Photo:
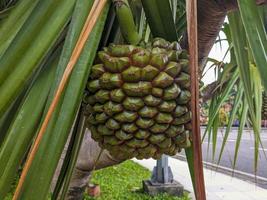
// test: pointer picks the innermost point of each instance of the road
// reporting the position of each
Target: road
(245, 161)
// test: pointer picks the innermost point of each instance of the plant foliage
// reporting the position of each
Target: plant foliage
(37, 39)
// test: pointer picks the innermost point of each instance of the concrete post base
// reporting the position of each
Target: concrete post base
(174, 188)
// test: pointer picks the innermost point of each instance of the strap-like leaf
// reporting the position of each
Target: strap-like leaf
(59, 126)
(14, 22)
(29, 47)
(242, 50)
(240, 132)
(23, 128)
(221, 100)
(256, 35)
(236, 105)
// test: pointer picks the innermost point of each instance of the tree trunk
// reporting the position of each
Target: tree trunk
(211, 15)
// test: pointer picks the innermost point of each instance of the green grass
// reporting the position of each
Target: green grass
(124, 182)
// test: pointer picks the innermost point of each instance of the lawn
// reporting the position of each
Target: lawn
(124, 182)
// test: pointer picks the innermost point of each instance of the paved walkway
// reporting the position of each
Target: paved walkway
(218, 186)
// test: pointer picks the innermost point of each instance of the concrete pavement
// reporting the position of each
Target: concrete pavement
(218, 186)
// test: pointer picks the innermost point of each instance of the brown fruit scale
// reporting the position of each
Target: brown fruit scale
(138, 100)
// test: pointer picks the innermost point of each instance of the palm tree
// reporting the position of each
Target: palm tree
(36, 43)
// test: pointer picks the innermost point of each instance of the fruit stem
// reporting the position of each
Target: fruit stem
(160, 19)
(126, 22)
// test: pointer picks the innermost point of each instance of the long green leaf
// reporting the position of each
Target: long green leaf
(221, 100)
(241, 52)
(29, 47)
(74, 156)
(242, 56)
(24, 126)
(66, 163)
(14, 22)
(257, 89)
(7, 118)
(41, 172)
(212, 107)
(190, 161)
(215, 128)
(181, 25)
(240, 132)
(236, 105)
(256, 35)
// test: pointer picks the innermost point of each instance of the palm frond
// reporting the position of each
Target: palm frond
(248, 92)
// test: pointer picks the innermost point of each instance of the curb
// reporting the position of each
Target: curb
(257, 180)
(236, 128)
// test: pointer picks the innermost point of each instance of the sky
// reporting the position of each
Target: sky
(218, 52)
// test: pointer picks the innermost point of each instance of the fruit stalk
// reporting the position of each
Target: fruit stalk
(126, 21)
(160, 19)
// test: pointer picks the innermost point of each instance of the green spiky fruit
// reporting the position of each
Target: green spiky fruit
(138, 100)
